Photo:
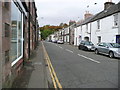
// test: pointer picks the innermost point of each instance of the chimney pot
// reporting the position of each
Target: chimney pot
(87, 15)
(108, 4)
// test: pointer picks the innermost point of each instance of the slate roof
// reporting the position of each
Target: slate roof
(110, 11)
(105, 13)
(86, 21)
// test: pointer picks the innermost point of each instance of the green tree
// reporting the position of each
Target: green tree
(47, 30)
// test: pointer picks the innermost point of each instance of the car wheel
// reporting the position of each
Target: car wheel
(79, 47)
(111, 54)
(96, 51)
(86, 49)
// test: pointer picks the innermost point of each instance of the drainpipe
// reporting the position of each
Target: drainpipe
(90, 31)
(29, 30)
(69, 35)
(63, 36)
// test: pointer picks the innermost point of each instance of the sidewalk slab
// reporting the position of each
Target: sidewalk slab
(34, 72)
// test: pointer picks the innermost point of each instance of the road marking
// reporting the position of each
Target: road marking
(69, 50)
(88, 58)
(61, 47)
(55, 80)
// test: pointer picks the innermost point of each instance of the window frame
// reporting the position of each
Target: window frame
(115, 22)
(98, 24)
(87, 27)
(7, 29)
(99, 39)
(21, 56)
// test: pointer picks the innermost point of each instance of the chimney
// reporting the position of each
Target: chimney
(108, 4)
(71, 22)
(87, 15)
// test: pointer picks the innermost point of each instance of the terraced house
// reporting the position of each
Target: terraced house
(102, 27)
(18, 37)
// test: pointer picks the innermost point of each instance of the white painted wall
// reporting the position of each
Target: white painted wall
(66, 37)
(53, 37)
(77, 34)
(107, 30)
(85, 32)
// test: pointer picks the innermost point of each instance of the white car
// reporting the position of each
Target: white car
(60, 42)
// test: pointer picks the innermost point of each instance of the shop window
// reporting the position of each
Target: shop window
(16, 34)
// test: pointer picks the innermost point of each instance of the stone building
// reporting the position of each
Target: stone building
(18, 37)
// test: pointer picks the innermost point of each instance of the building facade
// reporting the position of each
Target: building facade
(18, 37)
(102, 27)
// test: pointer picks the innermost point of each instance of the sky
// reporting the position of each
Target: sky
(54, 12)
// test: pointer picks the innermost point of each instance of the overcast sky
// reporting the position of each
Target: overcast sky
(54, 12)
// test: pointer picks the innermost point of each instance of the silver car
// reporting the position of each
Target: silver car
(111, 49)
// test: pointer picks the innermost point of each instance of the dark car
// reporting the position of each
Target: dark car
(86, 45)
(111, 49)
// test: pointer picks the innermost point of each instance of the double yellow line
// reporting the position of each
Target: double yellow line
(55, 80)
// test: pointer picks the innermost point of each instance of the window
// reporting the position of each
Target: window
(6, 5)
(101, 44)
(17, 35)
(7, 29)
(98, 24)
(86, 27)
(99, 39)
(116, 20)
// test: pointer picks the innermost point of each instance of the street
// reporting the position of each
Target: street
(82, 69)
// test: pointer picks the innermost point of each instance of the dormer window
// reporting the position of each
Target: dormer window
(116, 20)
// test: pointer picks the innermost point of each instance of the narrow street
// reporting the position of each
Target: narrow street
(60, 44)
(81, 69)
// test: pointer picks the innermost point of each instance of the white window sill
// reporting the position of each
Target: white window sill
(98, 30)
(88, 32)
(114, 27)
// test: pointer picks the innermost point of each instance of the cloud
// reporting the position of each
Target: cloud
(57, 11)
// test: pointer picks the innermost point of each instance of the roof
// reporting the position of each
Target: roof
(86, 21)
(105, 13)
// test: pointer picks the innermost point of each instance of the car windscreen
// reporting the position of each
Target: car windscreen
(115, 45)
(88, 43)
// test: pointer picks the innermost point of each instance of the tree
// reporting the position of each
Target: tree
(47, 30)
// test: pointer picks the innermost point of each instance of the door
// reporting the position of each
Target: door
(118, 39)
(100, 47)
(105, 48)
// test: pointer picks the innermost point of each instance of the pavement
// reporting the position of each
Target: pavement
(81, 69)
(33, 74)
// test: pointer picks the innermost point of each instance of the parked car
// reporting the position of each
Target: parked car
(54, 41)
(60, 42)
(49, 40)
(111, 49)
(86, 45)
